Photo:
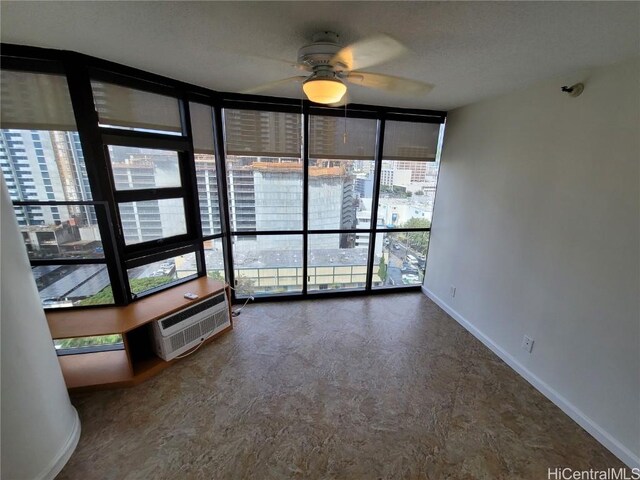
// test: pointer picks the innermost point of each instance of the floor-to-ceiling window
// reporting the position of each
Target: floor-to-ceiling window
(341, 175)
(344, 204)
(264, 169)
(126, 183)
(408, 178)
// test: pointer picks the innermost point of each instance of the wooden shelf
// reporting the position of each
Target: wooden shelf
(114, 320)
(99, 368)
(137, 362)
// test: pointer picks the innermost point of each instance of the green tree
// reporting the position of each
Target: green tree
(417, 223)
(418, 240)
(138, 285)
(89, 341)
(244, 285)
(103, 297)
(216, 275)
(382, 269)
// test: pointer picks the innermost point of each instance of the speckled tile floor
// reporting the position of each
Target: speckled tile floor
(380, 387)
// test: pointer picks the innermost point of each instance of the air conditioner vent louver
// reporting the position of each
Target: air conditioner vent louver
(220, 318)
(209, 323)
(177, 341)
(192, 333)
(191, 311)
(184, 330)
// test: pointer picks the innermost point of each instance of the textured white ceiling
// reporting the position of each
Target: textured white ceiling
(469, 50)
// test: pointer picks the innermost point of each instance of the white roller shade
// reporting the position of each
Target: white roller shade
(329, 139)
(410, 141)
(202, 128)
(135, 109)
(35, 101)
(266, 134)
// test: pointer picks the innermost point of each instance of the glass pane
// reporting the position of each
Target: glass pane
(338, 261)
(411, 141)
(262, 133)
(214, 259)
(161, 272)
(208, 198)
(265, 193)
(202, 128)
(61, 231)
(73, 285)
(131, 109)
(342, 138)
(139, 168)
(152, 220)
(107, 342)
(340, 194)
(407, 193)
(267, 264)
(206, 175)
(400, 259)
(43, 165)
(38, 101)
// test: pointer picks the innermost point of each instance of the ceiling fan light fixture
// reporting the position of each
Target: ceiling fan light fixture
(324, 90)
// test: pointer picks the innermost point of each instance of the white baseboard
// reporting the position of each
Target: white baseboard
(61, 459)
(601, 435)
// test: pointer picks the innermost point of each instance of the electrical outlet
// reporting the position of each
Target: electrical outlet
(452, 291)
(527, 343)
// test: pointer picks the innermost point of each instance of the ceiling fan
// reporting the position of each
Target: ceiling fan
(331, 65)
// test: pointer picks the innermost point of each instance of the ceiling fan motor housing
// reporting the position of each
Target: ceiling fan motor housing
(321, 51)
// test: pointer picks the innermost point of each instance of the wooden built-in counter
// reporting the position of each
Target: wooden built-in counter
(137, 362)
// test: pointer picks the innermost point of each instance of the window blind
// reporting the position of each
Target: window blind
(328, 138)
(35, 101)
(261, 133)
(202, 128)
(410, 141)
(125, 107)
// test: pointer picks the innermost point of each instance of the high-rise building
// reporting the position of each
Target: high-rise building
(150, 219)
(242, 196)
(266, 195)
(45, 166)
(207, 179)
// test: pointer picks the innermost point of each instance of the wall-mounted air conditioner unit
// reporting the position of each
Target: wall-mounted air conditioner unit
(177, 333)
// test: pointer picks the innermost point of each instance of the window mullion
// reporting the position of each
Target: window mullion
(305, 197)
(98, 173)
(190, 184)
(375, 199)
(223, 196)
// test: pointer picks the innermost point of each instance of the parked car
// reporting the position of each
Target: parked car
(410, 279)
(409, 269)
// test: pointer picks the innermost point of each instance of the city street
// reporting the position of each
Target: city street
(396, 257)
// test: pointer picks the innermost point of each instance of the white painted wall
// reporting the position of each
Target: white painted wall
(40, 427)
(536, 223)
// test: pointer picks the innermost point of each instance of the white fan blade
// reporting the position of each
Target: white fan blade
(389, 83)
(368, 52)
(277, 83)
